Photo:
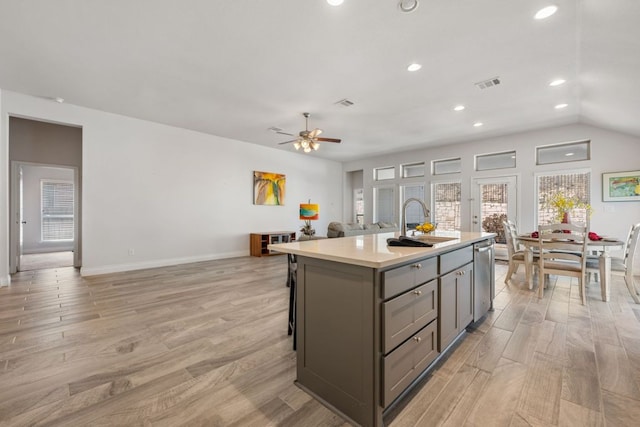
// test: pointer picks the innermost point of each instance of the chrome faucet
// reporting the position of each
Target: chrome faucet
(404, 212)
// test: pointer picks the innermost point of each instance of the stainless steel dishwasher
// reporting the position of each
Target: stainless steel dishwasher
(483, 278)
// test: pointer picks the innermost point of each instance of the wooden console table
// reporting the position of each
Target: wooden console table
(260, 241)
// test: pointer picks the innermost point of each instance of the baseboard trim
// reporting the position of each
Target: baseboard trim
(119, 268)
(5, 280)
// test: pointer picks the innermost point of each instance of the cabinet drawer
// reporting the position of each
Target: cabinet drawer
(454, 259)
(408, 313)
(403, 278)
(408, 361)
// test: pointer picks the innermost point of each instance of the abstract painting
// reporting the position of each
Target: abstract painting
(621, 186)
(268, 188)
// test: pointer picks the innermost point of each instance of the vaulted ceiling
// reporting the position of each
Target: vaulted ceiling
(238, 68)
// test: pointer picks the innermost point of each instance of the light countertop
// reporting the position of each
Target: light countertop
(371, 250)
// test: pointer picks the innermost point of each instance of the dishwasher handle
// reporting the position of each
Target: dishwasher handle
(484, 248)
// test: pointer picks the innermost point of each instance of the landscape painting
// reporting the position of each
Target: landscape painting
(268, 188)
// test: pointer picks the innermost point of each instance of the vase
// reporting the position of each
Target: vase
(566, 219)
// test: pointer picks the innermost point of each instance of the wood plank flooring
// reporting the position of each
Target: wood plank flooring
(206, 344)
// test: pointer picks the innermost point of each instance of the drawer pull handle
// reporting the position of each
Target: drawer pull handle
(417, 339)
(418, 266)
(417, 292)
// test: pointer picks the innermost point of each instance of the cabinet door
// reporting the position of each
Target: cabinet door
(448, 310)
(464, 284)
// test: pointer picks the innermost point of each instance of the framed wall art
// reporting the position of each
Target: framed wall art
(268, 188)
(621, 186)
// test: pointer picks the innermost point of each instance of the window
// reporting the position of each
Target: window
(496, 161)
(441, 167)
(384, 202)
(414, 214)
(561, 153)
(446, 198)
(411, 170)
(570, 184)
(57, 210)
(381, 174)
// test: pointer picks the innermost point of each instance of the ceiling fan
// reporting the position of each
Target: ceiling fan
(308, 140)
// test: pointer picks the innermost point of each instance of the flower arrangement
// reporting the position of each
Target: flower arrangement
(564, 205)
(427, 227)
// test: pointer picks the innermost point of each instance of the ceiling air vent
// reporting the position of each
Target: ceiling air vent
(344, 102)
(485, 84)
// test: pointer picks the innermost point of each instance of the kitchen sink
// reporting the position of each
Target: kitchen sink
(433, 239)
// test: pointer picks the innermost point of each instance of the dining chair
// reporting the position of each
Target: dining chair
(621, 266)
(563, 252)
(515, 253)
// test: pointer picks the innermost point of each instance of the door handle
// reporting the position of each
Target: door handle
(23, 222)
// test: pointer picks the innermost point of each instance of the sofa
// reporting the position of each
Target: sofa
(343, 229)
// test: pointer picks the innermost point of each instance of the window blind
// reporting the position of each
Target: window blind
(57, 211)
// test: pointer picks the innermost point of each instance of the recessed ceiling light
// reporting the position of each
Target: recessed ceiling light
(478, 124)
(546, 12)
(458, 108)
(569, 154)
(335, 2)
(414, 67)
(58, 100)
(557, 82)
(561, 106)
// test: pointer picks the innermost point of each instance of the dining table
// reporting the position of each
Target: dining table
(601, 247)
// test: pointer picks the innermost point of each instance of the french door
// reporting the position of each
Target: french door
(494, 200)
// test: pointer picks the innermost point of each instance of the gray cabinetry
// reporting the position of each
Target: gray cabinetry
(407, 313)
(408, 361)
(456, 304)
(367, 334)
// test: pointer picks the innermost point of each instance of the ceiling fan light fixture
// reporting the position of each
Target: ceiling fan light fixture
(296, 145)
(307, 149)
(315, 146)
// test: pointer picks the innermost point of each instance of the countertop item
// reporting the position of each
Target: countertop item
(372, 250)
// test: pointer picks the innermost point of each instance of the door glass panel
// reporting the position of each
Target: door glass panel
(494, 208)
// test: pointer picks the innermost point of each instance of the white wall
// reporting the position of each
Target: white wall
(610, 152)
(32, 208)
(170, 194)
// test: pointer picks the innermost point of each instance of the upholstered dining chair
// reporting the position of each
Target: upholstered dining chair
(515, 253)
(563, 252)
(622, 266)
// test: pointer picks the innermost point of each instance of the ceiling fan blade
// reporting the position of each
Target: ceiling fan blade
(328, 139)
(288, 142)
(314, 133)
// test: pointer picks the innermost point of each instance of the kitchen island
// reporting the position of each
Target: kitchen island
(372, 318)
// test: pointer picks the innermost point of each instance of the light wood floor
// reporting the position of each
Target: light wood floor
(46, 260)
(206, 344)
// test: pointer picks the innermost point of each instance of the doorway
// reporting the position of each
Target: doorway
(45, 186)
(46, 216)
(495, 199)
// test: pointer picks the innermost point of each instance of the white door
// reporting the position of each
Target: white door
(494, 200)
